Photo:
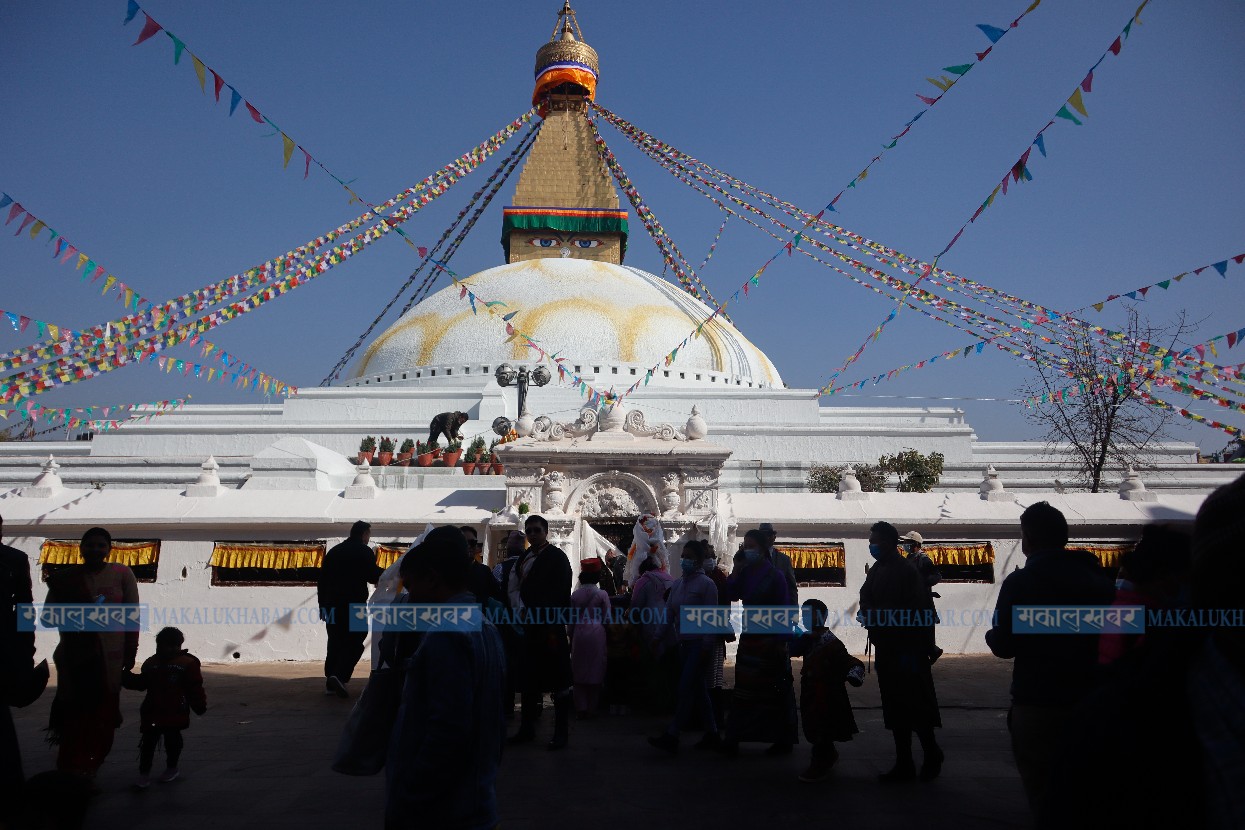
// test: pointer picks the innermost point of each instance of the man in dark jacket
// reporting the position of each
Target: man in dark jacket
(17, 650)
(1052, 672)
(344, 576)
(896, 607)
(480, 579)
(544, 578)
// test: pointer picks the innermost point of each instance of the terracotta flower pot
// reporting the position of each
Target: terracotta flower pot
(451, 458)
(424, 460)
(404, 462)
(406, 456)
(384, 459)
(366, 457)
(498, 467)
(469, 468)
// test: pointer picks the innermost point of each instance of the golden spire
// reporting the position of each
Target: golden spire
(566, 64)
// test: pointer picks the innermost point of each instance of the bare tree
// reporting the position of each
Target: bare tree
(1085, 392)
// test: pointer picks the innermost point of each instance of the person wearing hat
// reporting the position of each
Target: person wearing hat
(441, 769)
(912, 544)
(590, 607)
(781, 560)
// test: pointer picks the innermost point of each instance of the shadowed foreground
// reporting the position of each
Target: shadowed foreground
(260, 758)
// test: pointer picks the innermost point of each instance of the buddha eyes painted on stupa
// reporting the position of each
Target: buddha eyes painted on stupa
(554, 241)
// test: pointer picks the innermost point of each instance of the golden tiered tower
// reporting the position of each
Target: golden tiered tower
(565, 203)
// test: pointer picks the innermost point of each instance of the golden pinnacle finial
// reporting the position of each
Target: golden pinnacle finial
(566, 64)
(567, 19)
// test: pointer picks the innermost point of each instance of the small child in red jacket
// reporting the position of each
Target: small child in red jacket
(174, 686)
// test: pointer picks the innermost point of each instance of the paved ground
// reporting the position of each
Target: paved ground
(260, 758)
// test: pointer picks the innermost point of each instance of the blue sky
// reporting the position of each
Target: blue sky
(116, 148)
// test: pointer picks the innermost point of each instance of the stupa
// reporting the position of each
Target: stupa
(713, 443)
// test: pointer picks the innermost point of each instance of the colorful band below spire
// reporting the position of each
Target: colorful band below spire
(564, 72)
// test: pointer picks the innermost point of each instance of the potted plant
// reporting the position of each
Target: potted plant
(424, 453)
(405, 452)
(367, 449)
(497, 467)
(385, 456)
(453, 452)
(475, 455)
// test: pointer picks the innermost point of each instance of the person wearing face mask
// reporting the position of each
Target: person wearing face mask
(896, 608)
(763, 702)
(693, 588)
(781, 560)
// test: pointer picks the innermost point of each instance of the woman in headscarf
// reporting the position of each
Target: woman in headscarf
(89, 664)
(590, 607)
(658, 666)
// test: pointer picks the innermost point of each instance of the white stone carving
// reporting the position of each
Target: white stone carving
(48, 483)
(696, 428)
(617, 423)
(363, 486)
(555, 493)
(207, 485)
(1132, 488)
(849, 488)
(991, 488)
(609, 499)
(671, 499)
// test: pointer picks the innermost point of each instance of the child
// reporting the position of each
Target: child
(174, 686)
(824, 706)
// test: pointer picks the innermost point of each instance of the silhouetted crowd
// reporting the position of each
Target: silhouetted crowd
(1139, 726)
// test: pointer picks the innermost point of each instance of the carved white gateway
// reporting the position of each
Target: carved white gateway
(613, 466)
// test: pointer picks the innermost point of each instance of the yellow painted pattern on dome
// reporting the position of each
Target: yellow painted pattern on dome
(590, 298)
(432, 329)
(628, 324)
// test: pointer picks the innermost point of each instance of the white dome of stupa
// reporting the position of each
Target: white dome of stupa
(594, 314)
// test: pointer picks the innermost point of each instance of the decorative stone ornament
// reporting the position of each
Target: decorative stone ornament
(1132, 488)
(671, 499)
(554, 494)
(991, 488)
(48, 483)
(207, 485)
(616, 424)
(696, 428)
(363, 486)
(849, 488)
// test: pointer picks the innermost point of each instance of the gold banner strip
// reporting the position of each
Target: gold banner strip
(386, 555)
(130, 554)
(972, 553)
(815, 556)
(267, 556)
